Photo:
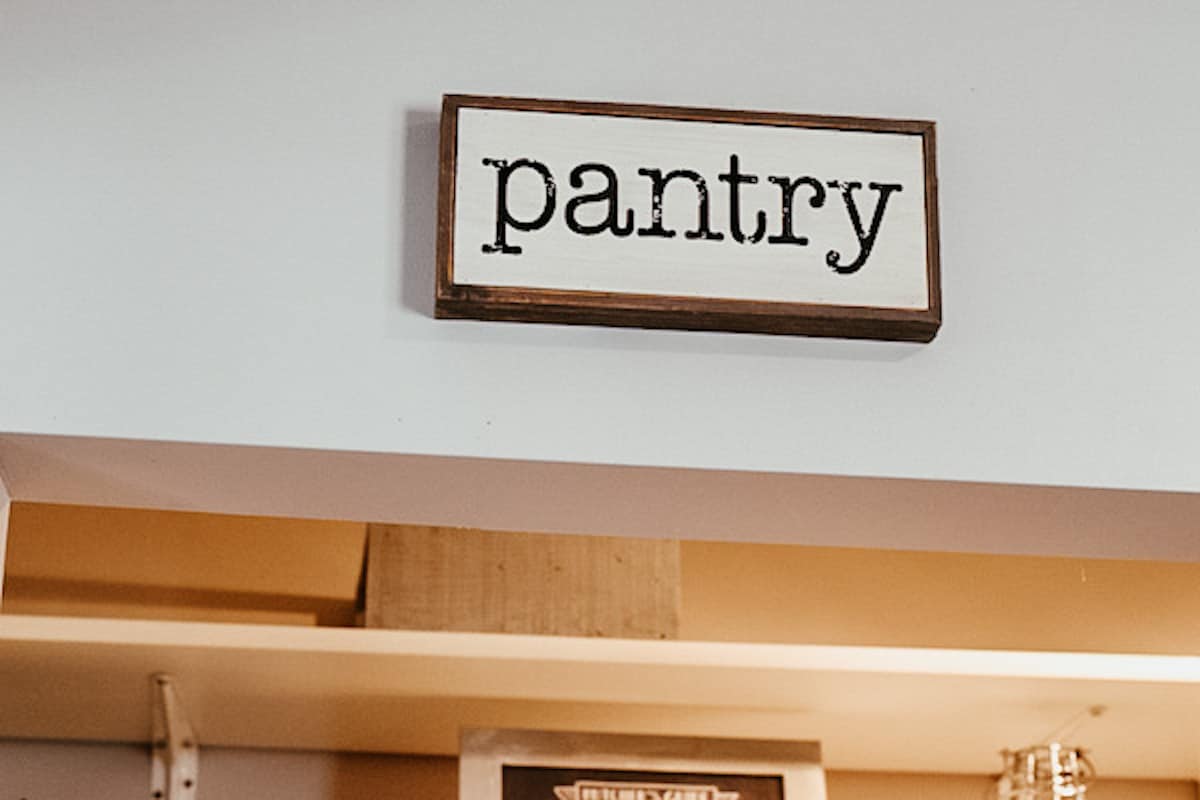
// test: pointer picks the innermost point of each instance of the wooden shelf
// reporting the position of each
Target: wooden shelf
(398, 691)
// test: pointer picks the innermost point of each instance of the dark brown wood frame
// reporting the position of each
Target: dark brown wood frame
(577, 307)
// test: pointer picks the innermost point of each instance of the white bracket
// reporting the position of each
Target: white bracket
(174, 754)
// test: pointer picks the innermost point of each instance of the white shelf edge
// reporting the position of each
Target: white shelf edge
(882, 708)
(1145, 668)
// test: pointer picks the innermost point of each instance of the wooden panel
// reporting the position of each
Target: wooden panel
(442, 579)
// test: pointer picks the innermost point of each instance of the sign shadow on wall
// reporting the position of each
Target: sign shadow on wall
(416, 187)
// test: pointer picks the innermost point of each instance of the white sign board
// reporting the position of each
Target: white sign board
(666, 217)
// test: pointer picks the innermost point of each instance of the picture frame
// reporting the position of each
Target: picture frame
(500, 764)
(619, 273)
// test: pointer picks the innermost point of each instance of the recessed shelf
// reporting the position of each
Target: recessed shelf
(397, 691)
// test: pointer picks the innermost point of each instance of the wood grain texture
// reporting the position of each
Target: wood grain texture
(421, 578)
(577, 307)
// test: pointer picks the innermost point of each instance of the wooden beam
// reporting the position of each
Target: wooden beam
(438, 579)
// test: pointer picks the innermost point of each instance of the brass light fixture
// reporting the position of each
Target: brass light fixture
(1045, 772)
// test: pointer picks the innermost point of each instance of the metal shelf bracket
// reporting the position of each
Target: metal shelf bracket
(174, 752)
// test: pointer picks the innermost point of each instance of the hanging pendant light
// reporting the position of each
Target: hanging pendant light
(1045, 772)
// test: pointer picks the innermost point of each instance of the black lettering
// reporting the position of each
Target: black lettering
(607, 195)
(788, 187)
(866, 241)
(658, 186)
(735, 180)
(504, 219)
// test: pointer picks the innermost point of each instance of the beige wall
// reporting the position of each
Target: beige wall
(219, 567)
(44, 771)
(88, 561)
(827, 595)
(911, 786)
(120, 562)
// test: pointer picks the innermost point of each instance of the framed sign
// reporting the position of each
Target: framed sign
(540, 765)
(653, 216)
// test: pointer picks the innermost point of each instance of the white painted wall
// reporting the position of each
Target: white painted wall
(217, 226)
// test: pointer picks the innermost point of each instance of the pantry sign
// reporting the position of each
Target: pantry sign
(663, 217)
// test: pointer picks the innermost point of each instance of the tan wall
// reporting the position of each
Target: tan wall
(85, 561)
(826, 595)
(145, 563)
(911, 786)
(45, 771)
(119, 562)
(437, 779)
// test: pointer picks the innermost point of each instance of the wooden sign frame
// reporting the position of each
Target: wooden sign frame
(568, 306)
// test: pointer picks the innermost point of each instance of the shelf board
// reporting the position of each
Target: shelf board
(400, 691)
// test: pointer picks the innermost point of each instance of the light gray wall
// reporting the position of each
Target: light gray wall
(219, 227)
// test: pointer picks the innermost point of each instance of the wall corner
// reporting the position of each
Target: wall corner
(6, 502)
